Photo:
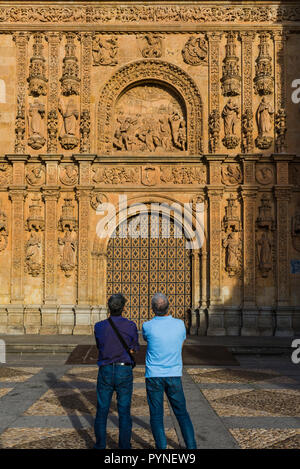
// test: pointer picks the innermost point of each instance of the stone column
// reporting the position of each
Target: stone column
(83, 309)
(248, 194)
(195, 258)
(247, 38)
(50, 195)
(214, 39)
(215, 193)
(53, 39)
(280, 67)
(17, 195)
(85, 95)
(284, 311)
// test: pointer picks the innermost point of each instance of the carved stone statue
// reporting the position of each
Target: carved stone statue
(264, 254)
(178, 129)
(264, 124)
(36, 128)
(230, 117)
(105, 51)
(33, 255)
(68, 245)
(232, 254)
(68, 131)
(69, 175)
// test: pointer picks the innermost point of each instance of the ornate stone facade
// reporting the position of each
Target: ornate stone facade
(164, 104)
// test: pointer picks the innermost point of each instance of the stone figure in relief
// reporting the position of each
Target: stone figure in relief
(68, 251)
(264, 254)
(105, 51)
(232, 254)
(231, 174)
(33, 254)
(264, 124)
(178, 130)
(36, 130)
(68, 130)
(230, 117)
(154, 46)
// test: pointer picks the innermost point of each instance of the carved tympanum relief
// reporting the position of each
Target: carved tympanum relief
(195, 51)
(149, 118)
(105, 50)
(264, 122)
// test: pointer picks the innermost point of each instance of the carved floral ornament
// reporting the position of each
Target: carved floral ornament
(195, 50)
(160, 71)
(143, 14)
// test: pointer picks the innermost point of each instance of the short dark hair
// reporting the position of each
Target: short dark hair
(116, 303)
(160, 304)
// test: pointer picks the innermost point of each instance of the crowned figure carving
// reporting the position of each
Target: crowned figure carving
(231, 80)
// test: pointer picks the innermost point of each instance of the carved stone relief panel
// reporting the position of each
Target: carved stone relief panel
(183, 174)
(35, 174)
(37, 80)
(231, 174)
(149, 118)
(265, 174)
(105, 50)
(152, 46)
(69, 174)
(5, 174)
(195, 50)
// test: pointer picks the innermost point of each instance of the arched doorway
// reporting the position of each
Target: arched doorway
(156, 260)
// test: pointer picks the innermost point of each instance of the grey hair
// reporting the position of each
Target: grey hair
(160, 304)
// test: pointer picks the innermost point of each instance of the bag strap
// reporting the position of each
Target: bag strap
(121, 339)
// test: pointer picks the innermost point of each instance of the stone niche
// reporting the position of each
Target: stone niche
(149, 118)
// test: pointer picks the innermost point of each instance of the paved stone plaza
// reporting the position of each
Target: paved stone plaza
(254, 405)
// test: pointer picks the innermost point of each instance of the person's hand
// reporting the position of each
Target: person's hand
(132, 351)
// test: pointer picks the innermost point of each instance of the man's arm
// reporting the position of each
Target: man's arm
(135, 346)
(144, 333)
(97, 344)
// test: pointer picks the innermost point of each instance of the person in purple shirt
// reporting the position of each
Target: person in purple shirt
(115, 372)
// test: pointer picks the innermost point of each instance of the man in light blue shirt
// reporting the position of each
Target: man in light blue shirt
(165, 336)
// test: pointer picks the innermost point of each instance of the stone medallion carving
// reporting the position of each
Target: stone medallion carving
(195, 51)
(264, 174)
(149, 118)
(69, 174)
(35, 175)
(231, 174)
(97, 199)
(170, 77)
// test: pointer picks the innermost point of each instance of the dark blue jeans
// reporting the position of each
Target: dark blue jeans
(172, 386)
(120, 379)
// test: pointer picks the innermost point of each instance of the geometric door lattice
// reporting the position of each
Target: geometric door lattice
(154, 260)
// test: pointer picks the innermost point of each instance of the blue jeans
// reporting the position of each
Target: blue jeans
(120, 379)
(172, 386)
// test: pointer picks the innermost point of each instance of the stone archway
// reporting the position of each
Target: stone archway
(151, 71)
